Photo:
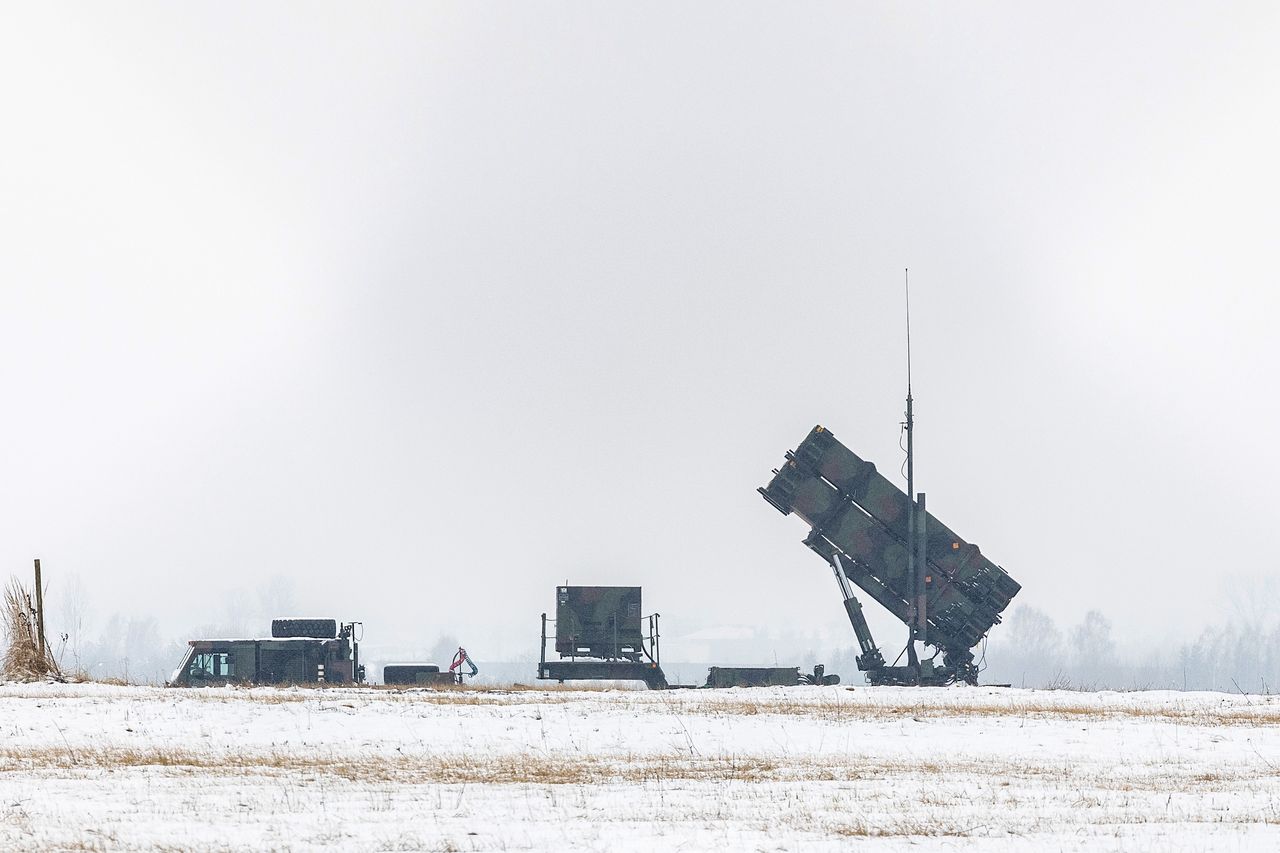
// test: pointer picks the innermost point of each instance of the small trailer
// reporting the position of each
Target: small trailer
(429, 674)
(767, 676)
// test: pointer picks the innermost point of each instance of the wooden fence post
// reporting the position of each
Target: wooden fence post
(39, 611)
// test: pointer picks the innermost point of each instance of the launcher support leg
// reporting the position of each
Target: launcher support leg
(870, 658)
(913, 661)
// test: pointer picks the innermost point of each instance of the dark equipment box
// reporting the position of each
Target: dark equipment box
(417, 675)
(599, 622)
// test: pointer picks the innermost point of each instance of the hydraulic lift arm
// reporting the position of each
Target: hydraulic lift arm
(459, 658)
(870, 658)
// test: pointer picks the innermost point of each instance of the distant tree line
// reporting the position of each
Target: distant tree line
(1240, 656)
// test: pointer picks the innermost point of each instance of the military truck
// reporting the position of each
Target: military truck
(299, 651)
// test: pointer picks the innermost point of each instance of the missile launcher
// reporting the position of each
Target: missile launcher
(860, 525)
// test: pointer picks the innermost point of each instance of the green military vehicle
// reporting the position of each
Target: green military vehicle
(299, 651)
(601, 635)
(872, 535)
(767, 676)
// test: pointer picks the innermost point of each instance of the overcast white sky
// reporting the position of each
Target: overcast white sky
(431, 307)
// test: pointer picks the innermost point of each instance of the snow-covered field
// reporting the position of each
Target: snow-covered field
(94, 767)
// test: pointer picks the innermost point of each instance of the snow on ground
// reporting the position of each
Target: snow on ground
(95, 767)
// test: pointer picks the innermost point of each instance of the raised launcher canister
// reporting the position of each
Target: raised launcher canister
(859, 525)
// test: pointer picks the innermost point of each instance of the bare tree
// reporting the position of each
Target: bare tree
(278, 597)
(443, 651)
(1032, 635)
(1251, 600)
(73, 617)
(1091, 643)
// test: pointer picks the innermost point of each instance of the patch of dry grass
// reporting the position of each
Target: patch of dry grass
(842, 705)
(579, 769)
(23, 658)
(870, 707)
(425, 768)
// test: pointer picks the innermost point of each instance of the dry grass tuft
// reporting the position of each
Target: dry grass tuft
(23, 660)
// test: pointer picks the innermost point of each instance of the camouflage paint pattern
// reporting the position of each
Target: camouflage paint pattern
(858, 481)
(599, 621)
(275, 661)
(856, 512)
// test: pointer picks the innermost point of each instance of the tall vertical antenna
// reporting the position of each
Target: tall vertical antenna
(906, 276)
(911, 472)
(917, 559)
(911, 485)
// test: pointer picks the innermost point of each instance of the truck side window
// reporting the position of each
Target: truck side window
(211, 665)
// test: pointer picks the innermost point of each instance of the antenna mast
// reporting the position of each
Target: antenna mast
(911, 474)
(911, 488)
(917, 562)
